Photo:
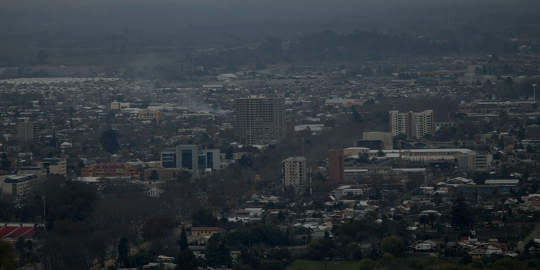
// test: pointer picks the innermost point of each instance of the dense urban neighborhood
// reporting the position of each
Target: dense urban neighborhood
(257, 168)
(401, 144)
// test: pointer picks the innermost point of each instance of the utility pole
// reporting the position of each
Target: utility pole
(44, 211)
(534, 91)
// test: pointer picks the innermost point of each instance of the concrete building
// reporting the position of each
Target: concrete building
(168, 160)
(209, 159)
(187, 156)
(335, 165)
(259, 120)
(110, 170)
(474, 161)
(411, 124)
(18, 186)
(384, 137)
(149, 115)
(413, 155)
(399, 123)
(26, 131)
(56, 166)
(294, 173)
(191, 157)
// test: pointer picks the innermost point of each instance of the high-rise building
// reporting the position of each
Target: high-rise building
(294, 173)
(411, 124)
(335, 165)
(422, 124)
(259, 120)
(26, 131)
(399, 123)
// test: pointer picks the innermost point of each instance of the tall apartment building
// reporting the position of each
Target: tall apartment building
(411, 124)
(336, 165)
(259, 120)
(26, 131)
(295, 174)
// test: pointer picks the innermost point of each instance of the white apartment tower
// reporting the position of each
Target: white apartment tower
(294, 173)
(411, 124)
(259, 120)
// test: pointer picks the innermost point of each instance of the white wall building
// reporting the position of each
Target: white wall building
(295, 174)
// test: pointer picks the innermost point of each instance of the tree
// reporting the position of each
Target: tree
(393, 245)
(123, 252)
(461, 214)
(157, 227)
(109, 141)
(183, 242)
(186, 260)
(7, 256)
(5, 164)
(356, 116)
(203, 217)
(217, 254)
(423, 220)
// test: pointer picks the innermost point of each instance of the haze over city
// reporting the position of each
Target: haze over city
(258, 134)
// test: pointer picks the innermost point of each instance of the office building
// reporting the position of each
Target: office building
(209, 159)
(335, 165)
(187, 156)
(191, 157)
(294, 173)
(259, 120)
(168, 160)
(411, 124)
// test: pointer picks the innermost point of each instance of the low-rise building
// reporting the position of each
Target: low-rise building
(110, 170)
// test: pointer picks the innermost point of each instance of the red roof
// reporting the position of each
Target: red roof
(5, 231)
(16, 232)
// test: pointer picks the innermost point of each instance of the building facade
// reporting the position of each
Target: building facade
(336, 165)
(259, 120)
(26, 131)
(168, 160)
(191, 157)
(411, 124)
(149, 115)
(294, 173)
(56, 166)
(18, 186)
(110, 170)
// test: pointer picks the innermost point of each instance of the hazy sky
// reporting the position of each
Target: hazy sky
(239, 16)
